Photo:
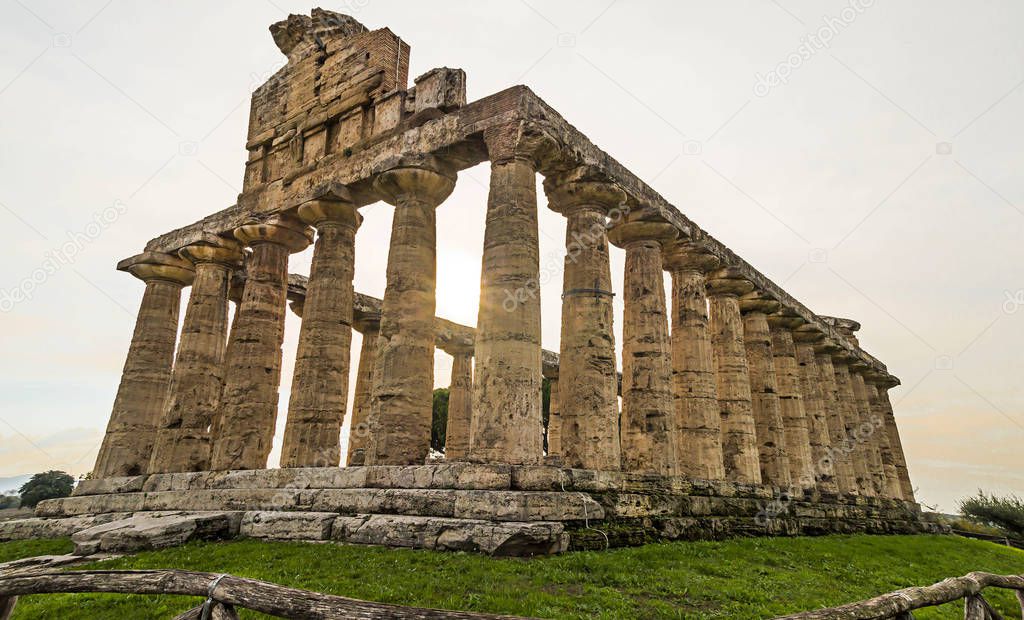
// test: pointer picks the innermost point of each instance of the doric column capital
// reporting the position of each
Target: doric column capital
(785, 319)
(214, 249)
(728, 282)
(757, 301)
(150, 266)
(808, 333)
(583, 188)
(280, 230)
(423, 180)
(297, 306)
(318, 212)
(365, 323)
(846, 327)
(626, 234)
(682, 255)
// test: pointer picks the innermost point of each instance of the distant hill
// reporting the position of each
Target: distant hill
(10, 486)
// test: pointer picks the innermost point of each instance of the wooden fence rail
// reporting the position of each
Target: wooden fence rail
(902, 603)
(223, 593)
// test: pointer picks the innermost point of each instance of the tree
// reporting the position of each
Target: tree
(439, 422)
(9, 501)
(47, 485)
(1005, 513)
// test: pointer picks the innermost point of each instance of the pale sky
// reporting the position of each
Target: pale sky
(880, 182)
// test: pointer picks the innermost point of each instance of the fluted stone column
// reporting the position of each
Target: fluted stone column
(694, 386)
(253, 374)
(794, 418)
(359, 429)
(507, 383)
(648, 423)
(401, 409)
(587, 374)
(853, 423)
(739, 435)
(460, 405)
(554, 418)
(892, 482)
(812, 392)
(899, 458)
(128, 443)
(771, 440)
(184, 438)
(840, 450)
(319, 394)
(872, 428)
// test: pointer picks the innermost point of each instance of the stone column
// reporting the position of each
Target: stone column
(316, 408)
(794, 418)
(812, 391)
(507, 382)
(253, 374)
(554, 417)
(739, 435)
(694, 388)
(359, 429)
(771, 439)
(184, 438)
(401, 406)
(872, 428)
(142, 393)
(840, 450)
(851, 418)
(587, 374)
(460, 405)
(899, 458)
(892, 482)
(648, 425)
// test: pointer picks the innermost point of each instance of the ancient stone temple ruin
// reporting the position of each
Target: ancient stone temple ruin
(738, 410)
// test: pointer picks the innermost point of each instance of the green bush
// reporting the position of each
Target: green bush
(47, 485)
(9, 501)
(1005, 513)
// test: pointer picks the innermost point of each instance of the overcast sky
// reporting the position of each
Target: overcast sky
(866, 157)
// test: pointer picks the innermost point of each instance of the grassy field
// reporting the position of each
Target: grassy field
(742, 578)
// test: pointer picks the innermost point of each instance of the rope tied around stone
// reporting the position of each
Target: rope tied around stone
(210, 601)
(586, 515)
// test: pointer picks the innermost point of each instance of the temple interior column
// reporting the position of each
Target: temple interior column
(771, 439)
(587, 376)
(184, 439)
(138, 407)
(359, 429)
(253, 367)
(554, 433)
(319, 393)
(892, 481)
(401, 406)
(460, 405)
(507, 383)
(739, 435)
(648, 428)
(872, 428)
(814, 408)
(899, 458)
(851, 418)
(694, 386)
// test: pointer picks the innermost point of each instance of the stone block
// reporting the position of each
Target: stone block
(102, 486)
(442, 89)
(287, 525)
(146, 531)
(90, 505)
(527, 506)
(36, 527)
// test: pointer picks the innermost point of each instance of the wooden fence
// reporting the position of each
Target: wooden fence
(224, 593)
(902, 603)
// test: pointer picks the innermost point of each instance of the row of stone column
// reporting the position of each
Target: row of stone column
(736, 390)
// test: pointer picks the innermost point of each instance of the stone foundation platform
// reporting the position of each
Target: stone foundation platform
(494, 509)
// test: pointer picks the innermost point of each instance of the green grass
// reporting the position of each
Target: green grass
(28, 548)
(742, 578)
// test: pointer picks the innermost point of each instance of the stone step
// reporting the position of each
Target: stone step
(448, 503)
